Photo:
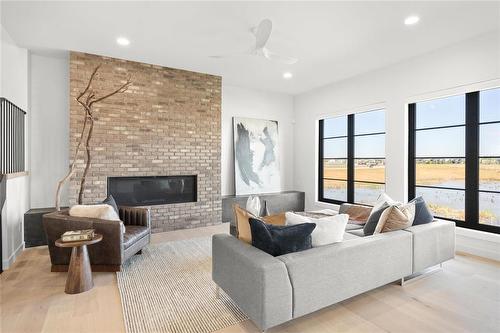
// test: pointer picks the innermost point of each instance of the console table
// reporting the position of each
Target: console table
(276, 203)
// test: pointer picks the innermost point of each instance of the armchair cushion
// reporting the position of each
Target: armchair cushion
(133, 233)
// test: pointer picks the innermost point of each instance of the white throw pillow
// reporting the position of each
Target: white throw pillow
(381, 201)
(253, 205)
(101, 211)
(328, 229)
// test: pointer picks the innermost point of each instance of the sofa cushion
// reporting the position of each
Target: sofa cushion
(423, 214)
(132, 234)
(353, 226)
(328, 229)
(349, 236)
(357, 232)
(278, 240)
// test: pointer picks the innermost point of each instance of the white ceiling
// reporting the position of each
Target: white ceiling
(333, 40)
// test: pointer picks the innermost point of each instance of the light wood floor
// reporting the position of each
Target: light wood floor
(462, 297)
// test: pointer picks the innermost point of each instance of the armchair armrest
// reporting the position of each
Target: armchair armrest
(109, 251)
(135, 216)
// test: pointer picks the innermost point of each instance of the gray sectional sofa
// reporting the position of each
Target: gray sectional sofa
(273, 290)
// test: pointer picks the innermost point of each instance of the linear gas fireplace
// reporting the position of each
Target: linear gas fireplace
(153, 190)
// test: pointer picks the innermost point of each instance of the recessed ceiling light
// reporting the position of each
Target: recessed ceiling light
(122, 41)
(410, 20)
(287, 75)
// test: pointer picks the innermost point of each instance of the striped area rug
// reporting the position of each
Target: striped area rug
(169, 288)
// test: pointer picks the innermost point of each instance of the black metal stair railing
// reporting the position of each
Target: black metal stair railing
(12, 137)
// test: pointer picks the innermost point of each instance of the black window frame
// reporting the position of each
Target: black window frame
(351, 181)
(472, 156)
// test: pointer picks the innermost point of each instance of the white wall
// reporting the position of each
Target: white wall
(242, 102)
(49, 128)
(14, 87)
(462, 64)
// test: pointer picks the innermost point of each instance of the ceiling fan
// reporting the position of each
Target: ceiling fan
(262, 32)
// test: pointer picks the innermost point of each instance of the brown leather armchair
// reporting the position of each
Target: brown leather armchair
(116, 246)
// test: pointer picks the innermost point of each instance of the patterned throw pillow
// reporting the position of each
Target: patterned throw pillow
(278, 240)
(396, 217)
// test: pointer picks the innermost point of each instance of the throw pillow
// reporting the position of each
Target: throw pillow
(242, 216)
(423, 214)
(328, 230)
(358, 214)
(279, 240)
(111, 201)
(372, 221)
(396, 217)
(253, 205)
(100, 211)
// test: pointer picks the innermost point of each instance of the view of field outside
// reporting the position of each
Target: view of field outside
(444, 172)
(440, 156)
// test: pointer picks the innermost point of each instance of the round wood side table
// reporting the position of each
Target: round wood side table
(79, 272)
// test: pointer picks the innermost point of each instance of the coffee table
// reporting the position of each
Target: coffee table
(79, 272)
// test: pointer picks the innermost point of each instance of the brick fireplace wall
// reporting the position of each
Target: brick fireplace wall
(167, 123)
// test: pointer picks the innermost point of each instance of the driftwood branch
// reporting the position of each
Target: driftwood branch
(87, 104)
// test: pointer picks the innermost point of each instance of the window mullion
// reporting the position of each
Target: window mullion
(411, 150)
(350, 158)
(321, 161)
(472, 158)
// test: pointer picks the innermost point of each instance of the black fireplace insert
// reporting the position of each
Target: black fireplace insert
(153, 190)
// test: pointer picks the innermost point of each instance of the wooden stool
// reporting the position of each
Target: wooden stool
(79, 271)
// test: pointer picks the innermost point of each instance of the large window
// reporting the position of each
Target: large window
(352, 158)
(454, 157)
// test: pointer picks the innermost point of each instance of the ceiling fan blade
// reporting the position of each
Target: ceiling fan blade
(279, 58)
(262, 33)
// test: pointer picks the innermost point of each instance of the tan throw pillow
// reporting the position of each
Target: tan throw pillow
(396, 217)
(358, 214)
(243, 225)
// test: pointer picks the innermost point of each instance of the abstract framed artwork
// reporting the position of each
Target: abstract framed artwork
(256, 156)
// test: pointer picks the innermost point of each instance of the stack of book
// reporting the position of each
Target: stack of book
(78, 235)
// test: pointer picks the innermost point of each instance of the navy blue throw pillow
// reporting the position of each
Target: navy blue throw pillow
(279, 239)
(372, 221)
(423, 214)
(111, 201)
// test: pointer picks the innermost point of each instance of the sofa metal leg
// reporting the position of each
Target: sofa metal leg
(217, 292)
(402, 282)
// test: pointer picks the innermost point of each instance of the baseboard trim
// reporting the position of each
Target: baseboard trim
(478, 243)
(6, 263)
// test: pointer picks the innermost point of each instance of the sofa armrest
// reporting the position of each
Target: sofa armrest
(433, 243)
(356, 212)
(135, 216)
(256, 281)
(109, 251)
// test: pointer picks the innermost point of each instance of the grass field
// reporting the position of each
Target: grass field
(427, 174)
